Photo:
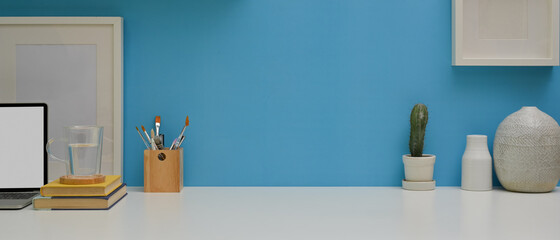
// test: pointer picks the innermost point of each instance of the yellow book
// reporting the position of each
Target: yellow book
(85, 203)
(55, 188)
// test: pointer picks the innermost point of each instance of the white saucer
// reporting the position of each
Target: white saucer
(419, 186)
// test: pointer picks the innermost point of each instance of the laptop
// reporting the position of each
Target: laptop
(23, 159)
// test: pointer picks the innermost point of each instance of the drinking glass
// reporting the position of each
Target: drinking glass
(83, 145)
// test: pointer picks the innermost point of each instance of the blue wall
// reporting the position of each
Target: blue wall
(302, 92)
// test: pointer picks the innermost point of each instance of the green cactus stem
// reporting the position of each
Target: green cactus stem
(418, 122)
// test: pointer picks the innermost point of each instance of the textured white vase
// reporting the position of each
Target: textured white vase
(476, 165)
(527, 151)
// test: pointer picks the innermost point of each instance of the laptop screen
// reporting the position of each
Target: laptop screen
(22, 146)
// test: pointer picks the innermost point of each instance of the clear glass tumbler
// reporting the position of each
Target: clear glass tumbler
(84, 147)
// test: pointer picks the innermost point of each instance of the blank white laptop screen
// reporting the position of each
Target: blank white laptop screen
(21, 147)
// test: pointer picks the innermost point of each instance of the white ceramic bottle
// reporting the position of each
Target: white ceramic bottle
(477, 165)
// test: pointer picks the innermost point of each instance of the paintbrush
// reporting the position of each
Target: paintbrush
(153, 139)
(158, 124)
(157, 141)
(180, 135)
(183, 131)
(143, 140)
(181, 141)
(173, 144)
(148, 136)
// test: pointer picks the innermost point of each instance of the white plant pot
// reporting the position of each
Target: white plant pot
(419, 169)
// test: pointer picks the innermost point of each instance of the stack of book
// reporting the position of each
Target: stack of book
(100, 196)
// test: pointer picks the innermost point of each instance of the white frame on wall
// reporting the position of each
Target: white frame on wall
(82, 23)
(460, 46)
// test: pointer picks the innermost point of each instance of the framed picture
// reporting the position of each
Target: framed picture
(505, 33)
(74, 64)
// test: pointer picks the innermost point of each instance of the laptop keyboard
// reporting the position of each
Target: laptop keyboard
(17, 195)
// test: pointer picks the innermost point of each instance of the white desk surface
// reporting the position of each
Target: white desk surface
(300, 213)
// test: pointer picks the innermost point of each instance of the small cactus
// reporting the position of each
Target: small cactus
(418, 122)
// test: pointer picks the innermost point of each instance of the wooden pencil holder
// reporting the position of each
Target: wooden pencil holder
(163, 170)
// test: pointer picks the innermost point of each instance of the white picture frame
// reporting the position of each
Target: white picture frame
(22, 36)
(505, 33)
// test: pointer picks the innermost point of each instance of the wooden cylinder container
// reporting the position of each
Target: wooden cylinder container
(163, 170)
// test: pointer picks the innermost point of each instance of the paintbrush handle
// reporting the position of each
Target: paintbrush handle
(148, 136)
(183, 131)
(173, 144)
(143, 140)
(151, 141)
(181, 141)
